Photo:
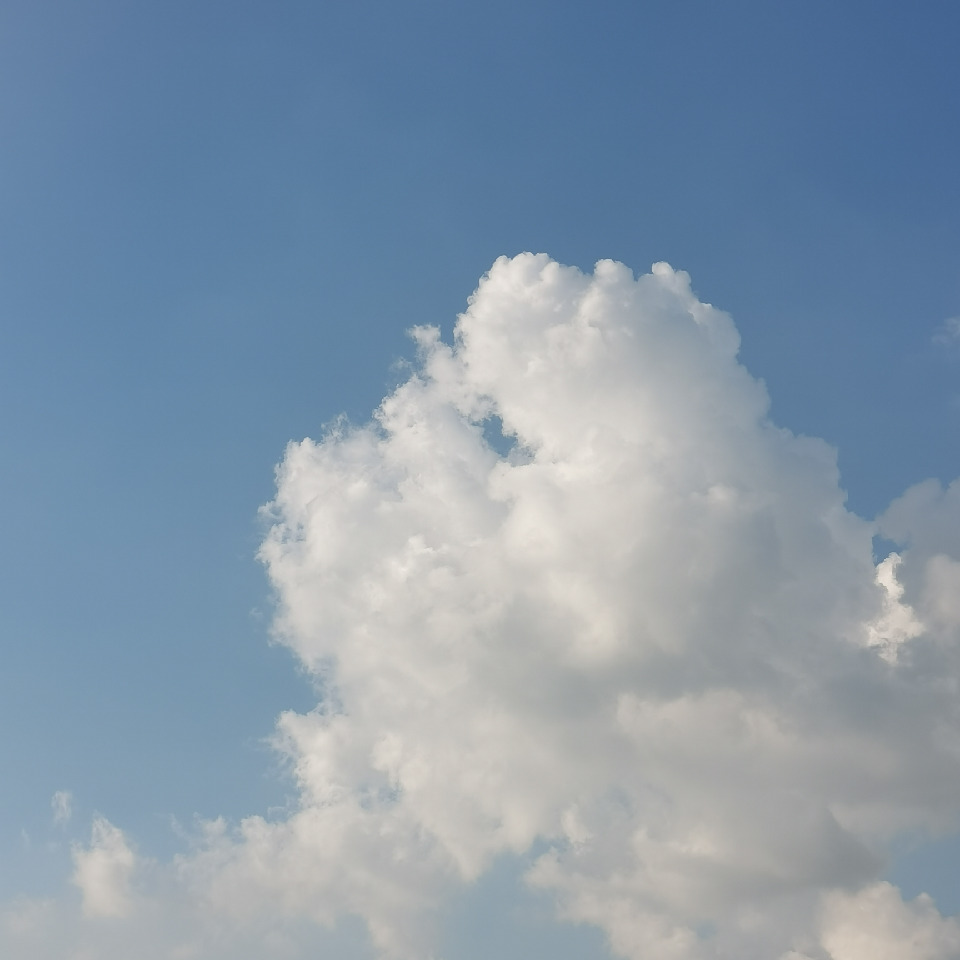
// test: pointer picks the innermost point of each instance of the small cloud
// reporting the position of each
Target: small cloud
(62, 803)
(948, 333)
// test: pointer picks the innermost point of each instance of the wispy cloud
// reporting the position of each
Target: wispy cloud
(62, 804)
(948, 333)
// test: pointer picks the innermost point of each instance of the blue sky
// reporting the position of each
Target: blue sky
(217, 223)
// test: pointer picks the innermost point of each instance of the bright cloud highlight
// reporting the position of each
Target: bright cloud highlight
(648, 649)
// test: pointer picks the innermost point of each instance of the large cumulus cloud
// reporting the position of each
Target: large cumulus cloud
(638, 639)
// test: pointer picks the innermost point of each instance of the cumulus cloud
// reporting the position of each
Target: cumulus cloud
(647, 649)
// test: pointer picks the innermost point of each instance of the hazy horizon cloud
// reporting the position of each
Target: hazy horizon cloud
(572, 597)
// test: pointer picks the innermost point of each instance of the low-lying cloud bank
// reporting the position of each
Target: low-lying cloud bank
(647, 648)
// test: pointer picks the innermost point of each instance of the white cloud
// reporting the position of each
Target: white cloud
(62, 805)
(648, 649)
(927, 519)
(897, 622)
(103, 871)
(875, 924)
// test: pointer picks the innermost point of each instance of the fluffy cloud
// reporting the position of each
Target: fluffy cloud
(647, 648)
(875, 924)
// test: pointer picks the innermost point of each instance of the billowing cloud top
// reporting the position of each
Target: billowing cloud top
(637, 639)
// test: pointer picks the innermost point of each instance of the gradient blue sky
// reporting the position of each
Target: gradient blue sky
(217, 220)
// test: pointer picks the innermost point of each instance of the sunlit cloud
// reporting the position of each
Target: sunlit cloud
(637, 642)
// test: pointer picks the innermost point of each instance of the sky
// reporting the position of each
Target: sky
(476, 480)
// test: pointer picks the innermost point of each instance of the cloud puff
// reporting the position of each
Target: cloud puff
(875, 924)
(102, 871)
(647, 649)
